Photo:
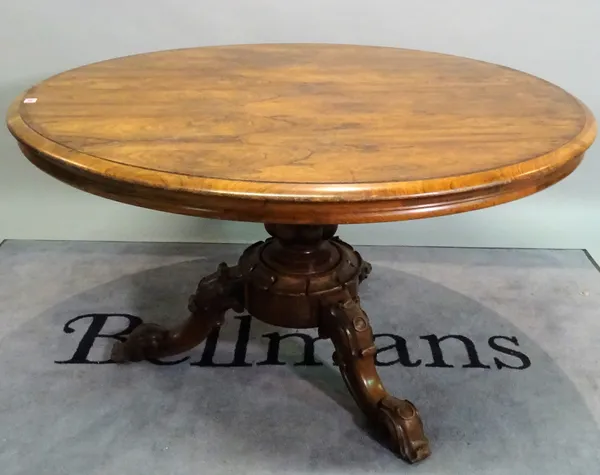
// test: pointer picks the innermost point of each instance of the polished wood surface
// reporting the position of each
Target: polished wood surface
(303, 133)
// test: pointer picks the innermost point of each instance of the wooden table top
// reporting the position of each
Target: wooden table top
(302, 133)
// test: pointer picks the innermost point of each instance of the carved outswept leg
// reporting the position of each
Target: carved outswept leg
(348, 327)
(216, 293)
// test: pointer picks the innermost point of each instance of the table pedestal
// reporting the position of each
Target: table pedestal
(301, 277)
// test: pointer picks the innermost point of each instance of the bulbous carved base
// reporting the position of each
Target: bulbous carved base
(301, 277)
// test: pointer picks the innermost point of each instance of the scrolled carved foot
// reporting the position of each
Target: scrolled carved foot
(145, 341)
(365, 270)
(348, 326)
(404, 429)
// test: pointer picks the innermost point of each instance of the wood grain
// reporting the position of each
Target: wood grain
(303, 133)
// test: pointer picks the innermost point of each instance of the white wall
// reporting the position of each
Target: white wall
(557, 40)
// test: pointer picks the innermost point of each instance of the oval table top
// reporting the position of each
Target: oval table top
(302, 133)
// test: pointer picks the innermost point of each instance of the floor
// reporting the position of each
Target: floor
(499, 349)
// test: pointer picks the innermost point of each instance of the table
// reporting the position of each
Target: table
(301, 137)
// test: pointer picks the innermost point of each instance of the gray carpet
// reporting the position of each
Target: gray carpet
(524, 400)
